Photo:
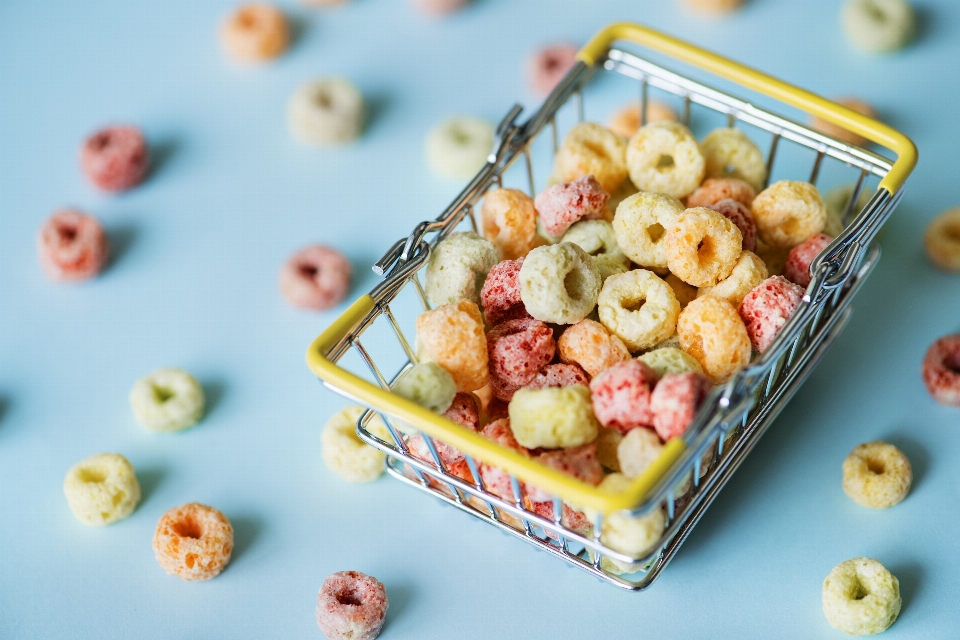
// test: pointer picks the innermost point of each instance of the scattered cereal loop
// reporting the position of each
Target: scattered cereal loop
(326, 111)
(549, 65)
(877, 475)
(860, 597)
(102, 489)
(255, 33)
(316, 277)
(115, 158)
(193, 542)
(167, 400)
(942, 240)
(878, 26)
(351, 606)
(458, 147)
(72, 246)
(941, 370)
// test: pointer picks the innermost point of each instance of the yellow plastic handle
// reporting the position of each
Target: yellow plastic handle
(762, 83)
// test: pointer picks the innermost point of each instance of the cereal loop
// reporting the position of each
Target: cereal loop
(561, 205)
(766, 309)
(509, 221)
(775, 259)
(626, 121)
(787, 213)
(570, 518)
(452, 336)
(518, 349)
(591, 149)
(428, 385)
(193, 542)
(495, 479)
(72, 246)
(345, 453)
(578, 462)
(102, 489)
(167, 400)
(631, 535)
(879, 26)
(637, 451)
(739, 214)
(327, 111)
(675, 402)
(941, 370)
(465, 411)
(255, 32)
(458, 148)
(548, 66)
(714, 6)
(590, 345)
(684, 292)
(316, 277)
(115, 158)
(664, 157)
(559, 375)
(702, 247)
(942, 240)
(747, 274)
(621, 395)
(640, 227)
(797, 267)
(877, 475)
(559, 283)
(861, 107)
(730, 153)
(500, 295)
(553, 417)
(457, 267)
(860, 597)
(639, 308)
(710, 330)
(351, 606)
(440, 7)
(713, 190)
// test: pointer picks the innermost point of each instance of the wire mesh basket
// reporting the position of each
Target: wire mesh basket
(734, 415)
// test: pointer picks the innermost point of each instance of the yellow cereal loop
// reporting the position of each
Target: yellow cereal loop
(749, 272)
(684, 292)
(427, 384)
(509, 221)
(167, 400)
(559, 283)
(664, 157)
(639, 308)
(730, 153)
(640, 227)
(553, 417)
(345, 453)
(877, 475)
(942, 240)
(638, 450)
(861, 597)
(670, 360)
(710, 330)
(592, 149)
(788, 212)
(702, 246)
(457, 267)
(452, 336)
(633, 536)
(607, 442)
(102, 489)
(590, 345)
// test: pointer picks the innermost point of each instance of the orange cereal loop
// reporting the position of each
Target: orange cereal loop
(702, 247)
(626, 121)
(747, 274)
(509, 221)
(193, 542)
(592, 149)
(255, 32)
(774, 258)
(711, 330)
(788, 212)
(942, 240)
(684, 292)
(713, 190)
(839, 132)
(452, 336)
(590, 345)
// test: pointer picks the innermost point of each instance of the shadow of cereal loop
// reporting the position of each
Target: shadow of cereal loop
(246, 529)
(214, 390)
(149, 479)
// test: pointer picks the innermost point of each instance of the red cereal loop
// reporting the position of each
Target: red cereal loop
(714, 190)
(495, 479)
(518, 349)
(559, 375)
(797, 267)
(621, 395)
(351, 606)
(561, 205)
(316, 277)
(500, 295)
(72, 246)
(549, 65)
(498, 408)
(465, 412)
(571, 519)
(739, 215)
(579, 462)
(675, 401)
(767, 308)
(115, 158)
(941, 370)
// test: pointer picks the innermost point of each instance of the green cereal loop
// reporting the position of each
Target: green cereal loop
(167, 400)
(559, 283)
(102, 489)
(458, 266)
(879, 26)
(428, 385)
(860, 597)
(670, 360)
(598, 239)
(553, 417)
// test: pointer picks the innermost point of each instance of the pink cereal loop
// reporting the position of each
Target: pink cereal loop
(766, 309)
(351, 606)
(316, 277)
(500, 295)
(797, 267)
(72, 246)
(621, 395)
(941, 370)
(561, 205)
(465, 412)
(548, 66)
(739, 214)
(518, 349)
(559, 375)
(115, 158)
(578, 462)
(675, 402)
(495, 479)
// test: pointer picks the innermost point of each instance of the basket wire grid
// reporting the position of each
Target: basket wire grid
(734, 415)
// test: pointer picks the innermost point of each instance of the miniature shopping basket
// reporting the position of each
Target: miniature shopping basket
(735, 414)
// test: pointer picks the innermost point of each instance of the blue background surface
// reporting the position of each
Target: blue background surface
(193, 285)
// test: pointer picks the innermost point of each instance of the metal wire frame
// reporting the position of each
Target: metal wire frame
(734, 416)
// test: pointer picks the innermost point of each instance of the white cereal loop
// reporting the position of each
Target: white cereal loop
(860, 597)
(639, 308)
(167, 400)
(457, 267)
(730, 153)
(749, 272)
(345, 453)
(592, 149)
(670, 360)
(638, 450)
(664, 157)
(788, 212)
(879, 26)
(458, 147)
(559, 283)
(327, 111)
(102, 489)
(702, 246)
(640, 226)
